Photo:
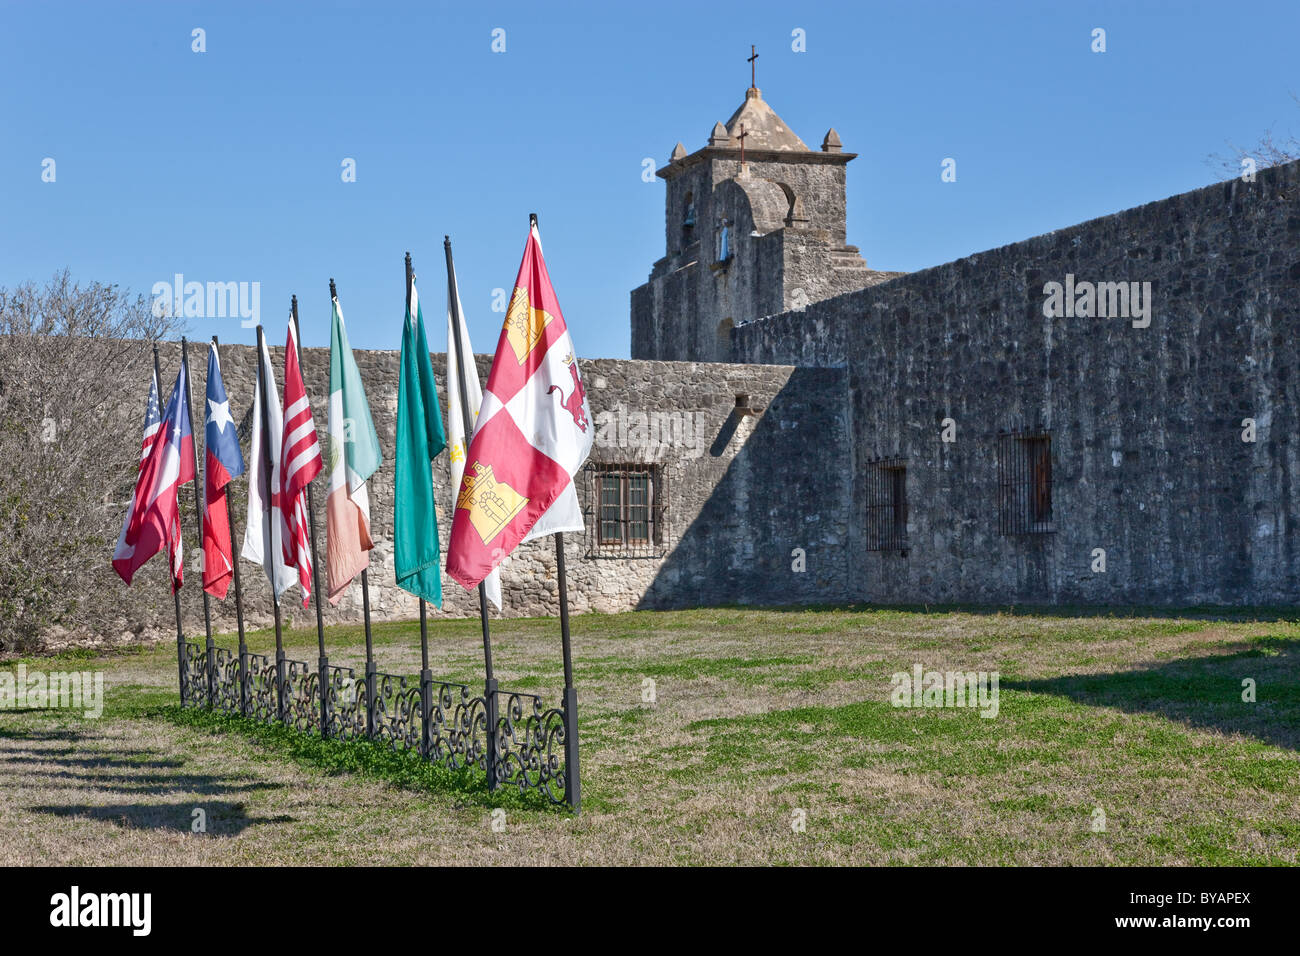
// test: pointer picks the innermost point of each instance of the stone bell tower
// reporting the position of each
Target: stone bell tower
(754, 225)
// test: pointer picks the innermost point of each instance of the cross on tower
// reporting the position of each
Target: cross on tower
(753, 55)
(741, 136)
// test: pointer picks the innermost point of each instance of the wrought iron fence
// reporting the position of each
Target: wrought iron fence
(513, 737)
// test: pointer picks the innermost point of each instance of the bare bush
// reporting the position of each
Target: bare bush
(70, 357)
(1271, 150)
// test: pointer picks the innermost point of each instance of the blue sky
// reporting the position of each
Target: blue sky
(225, 165)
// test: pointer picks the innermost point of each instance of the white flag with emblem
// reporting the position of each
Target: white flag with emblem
(460, 354)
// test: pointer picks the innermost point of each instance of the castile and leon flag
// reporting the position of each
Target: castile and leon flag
(533, 434)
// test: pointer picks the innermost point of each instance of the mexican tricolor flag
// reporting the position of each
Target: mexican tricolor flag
(353, 458)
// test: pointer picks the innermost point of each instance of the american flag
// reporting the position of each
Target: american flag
(127, 559)
(300, 462)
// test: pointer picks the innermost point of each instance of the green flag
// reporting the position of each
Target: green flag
(420, 437)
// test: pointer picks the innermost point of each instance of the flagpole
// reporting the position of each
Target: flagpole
(239, 596)
(171, 572)
(371, 678)
(268, 537)
(324, 661)
(426, 675)
(572, 776)
(198, 507)
(454, 343)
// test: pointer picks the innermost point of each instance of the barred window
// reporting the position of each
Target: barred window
(1025, 483)
(625, 506)
(887, 505)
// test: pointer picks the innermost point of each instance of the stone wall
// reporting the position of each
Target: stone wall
(1146, 423)
(737, 494)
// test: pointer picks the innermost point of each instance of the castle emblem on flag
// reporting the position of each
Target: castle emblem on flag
(491, 503)
(524, 325)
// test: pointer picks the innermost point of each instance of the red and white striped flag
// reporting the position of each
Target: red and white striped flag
(300, 462)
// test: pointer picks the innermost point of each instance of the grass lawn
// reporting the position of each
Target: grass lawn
(759, 714)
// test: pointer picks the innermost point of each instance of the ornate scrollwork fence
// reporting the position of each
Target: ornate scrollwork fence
(513, 737)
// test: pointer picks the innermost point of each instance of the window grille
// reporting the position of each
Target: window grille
(1025, 483)
(887, 505)
(625, 509)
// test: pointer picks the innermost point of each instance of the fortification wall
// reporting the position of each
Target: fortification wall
(734, 494)
(1146, 423)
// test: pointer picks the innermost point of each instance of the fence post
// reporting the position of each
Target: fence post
(212, 674)
(426, 711)
(324, 697)
(490, 699)
(372, 682)
(180, 662)
(280, 680)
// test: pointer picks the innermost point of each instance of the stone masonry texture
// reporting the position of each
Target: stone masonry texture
(735, 497)
(1146, 424)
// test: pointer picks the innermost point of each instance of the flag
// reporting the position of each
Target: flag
(222, 461)
(262, 532)
(128, 559)
(300, 462)
(420, 437)
(155, 512)
(533, 433)
(460, 356)
(354, 456)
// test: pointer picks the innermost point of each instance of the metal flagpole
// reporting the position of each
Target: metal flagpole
(426, 675)
(198, 507)
(454, 345)
(572, 776)
(371, 678)
(268, 538)
(239, 595)
(324, 661)
(176, 594)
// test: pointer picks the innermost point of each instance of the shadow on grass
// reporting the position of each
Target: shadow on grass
(125, 759)
(376, 759)
(154, 783)
(221, 817)
(1201, 692)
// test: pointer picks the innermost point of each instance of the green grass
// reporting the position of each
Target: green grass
(401, 768)
(758, 714)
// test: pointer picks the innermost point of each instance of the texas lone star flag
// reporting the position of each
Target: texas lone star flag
(533, 433)
(222, 461)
